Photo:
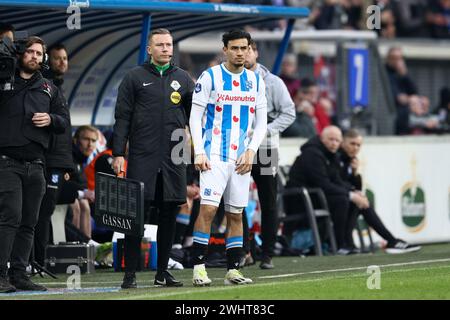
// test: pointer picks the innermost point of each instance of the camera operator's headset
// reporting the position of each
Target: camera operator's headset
(45, 58)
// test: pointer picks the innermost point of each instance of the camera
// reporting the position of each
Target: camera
(9, 51)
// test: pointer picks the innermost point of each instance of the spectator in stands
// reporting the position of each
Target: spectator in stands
(309, 95)
(443, 109)
(410, 17)
(58, 159)
(388, 28)
(318, 167)
(438, 17)
(349, 164)
(289, 73)
(421, 121)
(403, 88)
(339, 14)
(304, 124)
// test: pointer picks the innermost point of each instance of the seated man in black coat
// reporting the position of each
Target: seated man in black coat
(318, 167)
(349, 172)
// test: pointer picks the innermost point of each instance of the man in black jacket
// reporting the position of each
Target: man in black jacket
(154, 100)
(318, 167)
(58, 157)
(349, 172)
(28, 113)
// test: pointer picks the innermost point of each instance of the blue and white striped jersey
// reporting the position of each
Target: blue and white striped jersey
(230, 101)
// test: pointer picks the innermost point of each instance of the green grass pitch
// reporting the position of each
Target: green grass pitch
(419, 275)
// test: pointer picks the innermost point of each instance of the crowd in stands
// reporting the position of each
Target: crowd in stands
(399, 18)
(315, 109)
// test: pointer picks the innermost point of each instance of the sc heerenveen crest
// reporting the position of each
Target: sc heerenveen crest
(413, 205)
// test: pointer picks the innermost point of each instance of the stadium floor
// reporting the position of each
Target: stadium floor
(419, 275)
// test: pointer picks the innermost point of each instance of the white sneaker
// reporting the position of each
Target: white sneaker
(175, 265)
(234, 276)
(200, 277)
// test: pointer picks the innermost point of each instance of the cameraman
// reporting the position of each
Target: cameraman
(28, 114)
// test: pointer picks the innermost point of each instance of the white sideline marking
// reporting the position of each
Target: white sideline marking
(280, 275)
(226, 288)
(353, 269)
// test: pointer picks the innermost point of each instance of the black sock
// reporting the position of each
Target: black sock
(374, 221)
(234, 256)
(199, 252)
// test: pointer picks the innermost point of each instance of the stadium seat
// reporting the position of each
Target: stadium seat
(362, 226)
(319, 211)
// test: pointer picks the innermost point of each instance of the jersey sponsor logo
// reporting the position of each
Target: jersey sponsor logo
(231, 98)
(175, 97)
(198, 88)
(175, 85)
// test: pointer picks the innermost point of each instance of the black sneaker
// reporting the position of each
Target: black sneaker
(266, 263)
(166, 279)
(129, 281)
(400, 246)
(23, 282)
(5, 286)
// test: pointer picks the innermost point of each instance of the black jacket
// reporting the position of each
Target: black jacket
(149, 108)
(40, 96)
(59, 154)
(316, 167)
(355, 180)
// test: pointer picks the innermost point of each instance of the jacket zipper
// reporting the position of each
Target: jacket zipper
(162, 115)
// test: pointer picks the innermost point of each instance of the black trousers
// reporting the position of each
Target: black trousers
(166, 220)
(339, 208)
(55, 178)
(22, 186)
(264, 173)
(371, 218)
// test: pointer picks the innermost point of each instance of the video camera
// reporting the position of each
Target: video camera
(9, 51)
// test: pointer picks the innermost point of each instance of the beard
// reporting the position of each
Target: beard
(29, 67)
(58, 71)
(238, 64)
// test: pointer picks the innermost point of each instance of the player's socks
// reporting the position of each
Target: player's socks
(234, 252)
(200, 247)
